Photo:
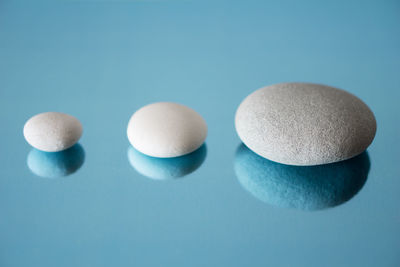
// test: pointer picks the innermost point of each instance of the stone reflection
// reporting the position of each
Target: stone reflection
(56, 164)
(300, 187)
(166, 168)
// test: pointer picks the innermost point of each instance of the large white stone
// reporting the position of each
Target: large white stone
(305, 124)
(52, 131)
(166, 130)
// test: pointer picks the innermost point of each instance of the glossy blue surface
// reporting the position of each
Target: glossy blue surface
(102, 60)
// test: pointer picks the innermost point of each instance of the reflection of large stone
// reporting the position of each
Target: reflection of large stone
(56, 164)
(166, 168)
(300, 187)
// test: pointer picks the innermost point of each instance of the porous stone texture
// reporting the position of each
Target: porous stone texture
(166, 130)
(301, 187)
(305, 124)
(52, 131)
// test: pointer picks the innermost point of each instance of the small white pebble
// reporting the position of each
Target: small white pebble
(52, 131)
(166, 130)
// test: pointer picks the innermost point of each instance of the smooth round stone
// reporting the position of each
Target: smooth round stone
(56, 164)
(305, 124)
(166, 168)
(166, 130)
(52, 131)
(301, 187)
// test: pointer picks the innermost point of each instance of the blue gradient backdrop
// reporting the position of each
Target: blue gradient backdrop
(102, 60)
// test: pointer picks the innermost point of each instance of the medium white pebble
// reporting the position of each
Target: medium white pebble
(166, 130)
(305, 124)
(52, 131)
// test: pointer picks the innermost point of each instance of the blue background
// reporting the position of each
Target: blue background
(102, 60)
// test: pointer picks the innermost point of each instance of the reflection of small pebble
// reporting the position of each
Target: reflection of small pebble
(166, 130)
(52, 131)
(305, 124)
(56, 164)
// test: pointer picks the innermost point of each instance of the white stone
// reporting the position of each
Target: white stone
(305, 124)
(166, 130)
(52, 131)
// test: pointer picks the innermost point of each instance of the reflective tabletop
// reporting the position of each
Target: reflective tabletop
(102, 203)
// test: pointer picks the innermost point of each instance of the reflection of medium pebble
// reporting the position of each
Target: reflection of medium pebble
(166, 130)
(305, 124)
(166, 168)
(301, 187)
(52, 131)
(56, 164)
